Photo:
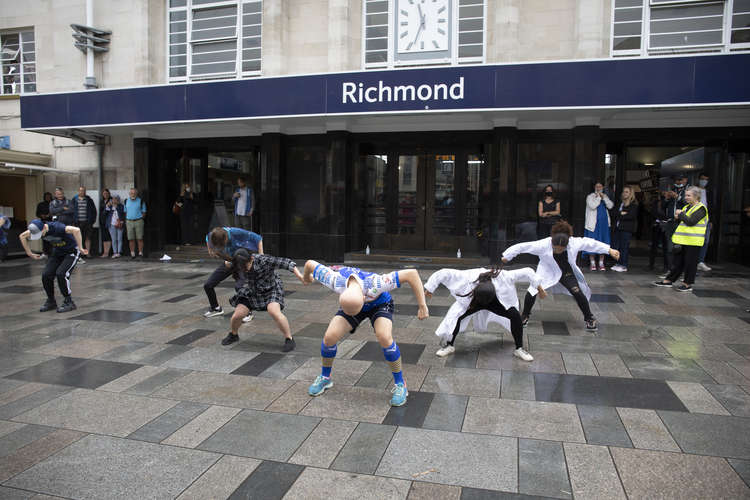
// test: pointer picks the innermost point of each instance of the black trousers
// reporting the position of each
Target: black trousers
(60, 266)
(495, 307)
(220, 274)
(685, 260)
(569, 281)
(186, 227)
(658, 236)
(3, 252)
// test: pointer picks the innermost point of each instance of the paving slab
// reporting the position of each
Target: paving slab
(526, 419)
(123, 469)
(222, 479)
(350, 403)
(334, 485)
(592, 472)
(714, 435)
(646, 430)
(542, 470)
(363, 451)
(463, 381)
(452, 458)
(262, 435)
(324, 443)
(676, 475)
(168, 422)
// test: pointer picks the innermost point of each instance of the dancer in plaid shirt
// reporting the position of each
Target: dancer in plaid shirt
(259, 288)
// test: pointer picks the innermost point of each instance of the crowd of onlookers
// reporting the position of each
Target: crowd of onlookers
(614, 218)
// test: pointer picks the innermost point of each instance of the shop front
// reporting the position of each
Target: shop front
(424, 161)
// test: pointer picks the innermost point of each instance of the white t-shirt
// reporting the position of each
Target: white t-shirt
(242, 201)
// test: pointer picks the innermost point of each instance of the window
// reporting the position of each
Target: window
(210, 39)
(670, 26)
(465, 22)
(18, 62)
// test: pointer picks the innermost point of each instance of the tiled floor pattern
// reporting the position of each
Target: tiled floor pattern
(135, 390)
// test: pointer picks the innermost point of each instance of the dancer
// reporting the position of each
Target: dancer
(364, 295)
(67, 248)
(259, 288)
(223, 242)
(558, 270)
(485, 295)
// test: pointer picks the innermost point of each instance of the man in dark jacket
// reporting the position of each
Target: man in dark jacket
(85, 215)
(60, 209)
(42, 213)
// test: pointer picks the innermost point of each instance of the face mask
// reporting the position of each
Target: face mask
(678, 185)
(702, 183)
(548, 193)
(597, 190)
(187, 190)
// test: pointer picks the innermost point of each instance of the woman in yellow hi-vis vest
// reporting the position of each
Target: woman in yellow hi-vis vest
(688, 240)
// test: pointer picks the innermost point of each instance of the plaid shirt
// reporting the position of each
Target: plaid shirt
(262, 285)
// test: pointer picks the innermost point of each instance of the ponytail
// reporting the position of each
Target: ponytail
(484, 291)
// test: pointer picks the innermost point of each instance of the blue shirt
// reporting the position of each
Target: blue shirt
(239, 238)
(3, 229)
(374, 286)
(134, 209)
(61, 241)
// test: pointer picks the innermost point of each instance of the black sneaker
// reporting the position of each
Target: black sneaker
(662, 283)
(49, 305)
(231, 338)
(132, 257)
(684, 288)
(68, 305)
(289, 345)
(592, 325)
(524, 320)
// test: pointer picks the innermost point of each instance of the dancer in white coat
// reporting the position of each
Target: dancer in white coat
(486, 296)
(558, 270)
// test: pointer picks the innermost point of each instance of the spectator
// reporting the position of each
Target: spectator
(185, 204)
(103, 226)
(548, 210)
(675, 200)
(60, 209)
(4, 226)
(658, 232)
(705, 199)
(42, 213)
(626, 221)
(243, 205)
(85, 216)
(597, 222)
(688, 238)
(115, 220)
(135, 211)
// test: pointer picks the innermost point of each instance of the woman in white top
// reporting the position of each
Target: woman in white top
(597, 222)
(487, 296)
(557, 268)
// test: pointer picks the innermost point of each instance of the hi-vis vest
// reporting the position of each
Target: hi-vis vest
(691, 235)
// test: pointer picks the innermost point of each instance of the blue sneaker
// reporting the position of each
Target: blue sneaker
(321, 384)
(399, 395)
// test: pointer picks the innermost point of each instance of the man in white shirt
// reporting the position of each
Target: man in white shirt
(243, 205)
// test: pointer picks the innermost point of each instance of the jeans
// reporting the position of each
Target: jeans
(116, 234)
(570, 282)
(220, 274)
(704, 248)
(622, 244)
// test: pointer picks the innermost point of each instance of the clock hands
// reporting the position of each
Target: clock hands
(421, 25)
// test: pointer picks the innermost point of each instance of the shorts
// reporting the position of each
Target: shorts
(135, 229)
(384, 310)
(86, 228)
(244, 301)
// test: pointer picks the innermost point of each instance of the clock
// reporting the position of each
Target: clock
(422, 26)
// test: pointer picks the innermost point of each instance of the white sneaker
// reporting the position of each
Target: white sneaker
(616, 267)
(444, 351)
(248, 318)
(213, 312)
(522, 354)
(703, 267)
(619, 268)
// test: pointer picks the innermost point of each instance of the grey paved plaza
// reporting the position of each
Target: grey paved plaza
(132, 395)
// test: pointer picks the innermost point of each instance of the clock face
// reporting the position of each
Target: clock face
(422, 25)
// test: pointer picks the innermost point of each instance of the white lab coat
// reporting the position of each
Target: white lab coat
(463, 282)
(548, 270)
(592, 205)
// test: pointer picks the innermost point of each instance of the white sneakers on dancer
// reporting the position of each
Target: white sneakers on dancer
(445, 351)
(214, 312)
(522, 354)
(248, 318)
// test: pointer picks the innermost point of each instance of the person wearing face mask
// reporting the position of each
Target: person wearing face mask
(597, 222)
(184, 207)
(548, 211)
(705, 196)
(674, 200)
(557, 269)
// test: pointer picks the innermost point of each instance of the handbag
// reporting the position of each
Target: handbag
(119, 224)
(176, 208)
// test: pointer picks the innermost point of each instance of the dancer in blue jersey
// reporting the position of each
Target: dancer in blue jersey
(364, 295)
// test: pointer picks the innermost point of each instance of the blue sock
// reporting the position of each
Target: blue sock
(393, 357)
(327, 354)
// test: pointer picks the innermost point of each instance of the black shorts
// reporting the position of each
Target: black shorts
(382, 311)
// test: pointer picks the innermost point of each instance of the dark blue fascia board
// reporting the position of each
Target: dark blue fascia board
(638, 82)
